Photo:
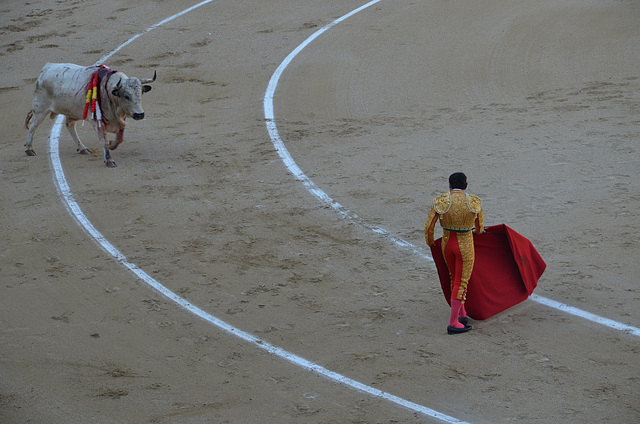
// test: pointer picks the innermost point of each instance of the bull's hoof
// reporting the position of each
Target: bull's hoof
(83, 152)
(110, 164)
(30, 152)
(113, 146)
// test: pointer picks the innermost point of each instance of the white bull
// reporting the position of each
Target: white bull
(61, 89)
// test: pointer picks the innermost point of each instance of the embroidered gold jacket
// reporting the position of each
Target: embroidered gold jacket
(458, 211)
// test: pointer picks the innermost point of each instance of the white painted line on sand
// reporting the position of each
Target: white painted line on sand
(586, 315)
(323, 197)
(75, 211)
(291, 164)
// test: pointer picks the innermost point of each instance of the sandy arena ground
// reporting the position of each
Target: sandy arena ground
(538, 102)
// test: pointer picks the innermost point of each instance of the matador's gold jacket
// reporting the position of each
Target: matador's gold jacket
(458, 211)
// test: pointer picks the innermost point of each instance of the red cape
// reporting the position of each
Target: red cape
(506, 271)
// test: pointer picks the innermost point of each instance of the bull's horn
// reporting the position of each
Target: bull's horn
(147, 81)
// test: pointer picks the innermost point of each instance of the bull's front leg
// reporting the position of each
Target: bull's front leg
(104, 140)
(107, 159)
(119, 139)
(71, 127)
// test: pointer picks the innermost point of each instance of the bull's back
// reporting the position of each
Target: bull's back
(64, 86)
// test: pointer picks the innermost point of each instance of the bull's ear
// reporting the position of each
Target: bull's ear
(116, 91)
(146, 88)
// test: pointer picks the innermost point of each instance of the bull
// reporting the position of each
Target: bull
(70, 90)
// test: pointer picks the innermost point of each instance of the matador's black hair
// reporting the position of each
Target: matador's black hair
(458, 180)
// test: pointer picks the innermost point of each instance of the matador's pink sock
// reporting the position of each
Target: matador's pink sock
(456, 305)
(463, 312)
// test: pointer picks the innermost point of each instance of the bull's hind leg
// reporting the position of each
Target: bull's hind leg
(40, 108)
(32, 122)
(80, 148)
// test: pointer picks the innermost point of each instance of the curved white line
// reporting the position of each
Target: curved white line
(75, 211)
(295, 169)
(326, 199)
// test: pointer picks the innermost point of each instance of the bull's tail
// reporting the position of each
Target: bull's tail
(28, 119)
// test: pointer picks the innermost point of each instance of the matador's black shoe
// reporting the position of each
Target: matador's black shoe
(463, 320)
(454, 330)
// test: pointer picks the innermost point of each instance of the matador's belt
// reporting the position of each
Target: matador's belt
(457, 231)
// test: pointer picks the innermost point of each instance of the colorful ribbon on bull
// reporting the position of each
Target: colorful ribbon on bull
(92, 99)
(93, 92)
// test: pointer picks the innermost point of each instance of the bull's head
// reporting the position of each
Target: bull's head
(129, 92)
